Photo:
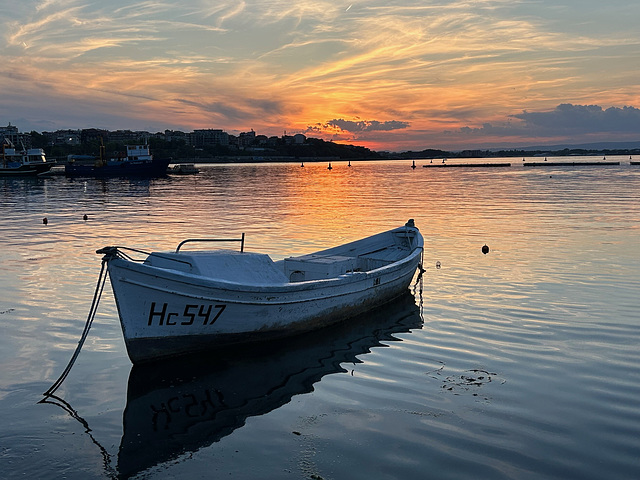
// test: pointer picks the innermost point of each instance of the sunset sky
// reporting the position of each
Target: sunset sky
(389, 75)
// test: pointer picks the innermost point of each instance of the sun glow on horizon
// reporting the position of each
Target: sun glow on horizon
(402, 76)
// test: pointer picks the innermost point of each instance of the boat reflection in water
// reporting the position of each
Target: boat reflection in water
(181, 405)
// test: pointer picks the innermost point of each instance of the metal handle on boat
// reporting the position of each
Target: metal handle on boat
(241, 240)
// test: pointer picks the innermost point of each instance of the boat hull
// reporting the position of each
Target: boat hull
(165, 416)
(145, 168)
(165, 313)
(26, 170)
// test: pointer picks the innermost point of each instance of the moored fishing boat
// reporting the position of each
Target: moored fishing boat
(137, 161)
(173, 303)
(30, 161)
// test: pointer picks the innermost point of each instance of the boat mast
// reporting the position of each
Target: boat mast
(102, 157)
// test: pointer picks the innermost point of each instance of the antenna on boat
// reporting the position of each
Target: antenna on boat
(103, 155)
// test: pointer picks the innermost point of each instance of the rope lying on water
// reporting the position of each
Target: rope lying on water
(66, 406)
(92, 313)
(421, 271)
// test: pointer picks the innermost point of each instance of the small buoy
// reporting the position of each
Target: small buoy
(413, 165)
(329, 167)
(438, 264)
(485, 249)
(349, 163)
(85, 217)
(302, 164)
(45, 221)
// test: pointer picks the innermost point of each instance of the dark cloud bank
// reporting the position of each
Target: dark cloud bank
(566, 122)
(566, 119)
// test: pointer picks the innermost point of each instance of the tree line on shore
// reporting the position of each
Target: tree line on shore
(179, 149)
(564, 152)
(311, 148)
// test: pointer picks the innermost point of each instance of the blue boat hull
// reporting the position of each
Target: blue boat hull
(140, 168)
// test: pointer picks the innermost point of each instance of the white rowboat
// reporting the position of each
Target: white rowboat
(179, 302)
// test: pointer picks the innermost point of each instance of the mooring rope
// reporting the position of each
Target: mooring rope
(92, 313)
(421, 271)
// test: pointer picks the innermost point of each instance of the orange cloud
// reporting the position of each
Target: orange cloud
(277, 65)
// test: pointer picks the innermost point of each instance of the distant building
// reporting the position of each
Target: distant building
(246, 139)
(89, 135)
(198, 138)
(128, 136)
(65, 137)
(10, 132)
(273, 141)
(297, 139)
(175, 135)
(207, 137)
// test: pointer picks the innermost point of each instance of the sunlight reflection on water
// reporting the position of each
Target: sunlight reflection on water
(548, 319)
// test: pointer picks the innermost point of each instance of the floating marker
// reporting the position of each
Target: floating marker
(85, 217)
(45, 221)
(329, 167)
(485, 249)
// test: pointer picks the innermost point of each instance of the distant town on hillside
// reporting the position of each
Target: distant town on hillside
(217, 145)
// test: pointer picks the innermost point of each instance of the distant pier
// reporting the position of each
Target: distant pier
(567, 164)
(466, 165)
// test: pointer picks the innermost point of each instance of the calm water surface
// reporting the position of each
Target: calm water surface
(520, 364)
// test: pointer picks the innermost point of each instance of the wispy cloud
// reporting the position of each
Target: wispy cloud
(466, 67)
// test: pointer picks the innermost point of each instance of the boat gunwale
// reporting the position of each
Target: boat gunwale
(203, 282)
(206, 282)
